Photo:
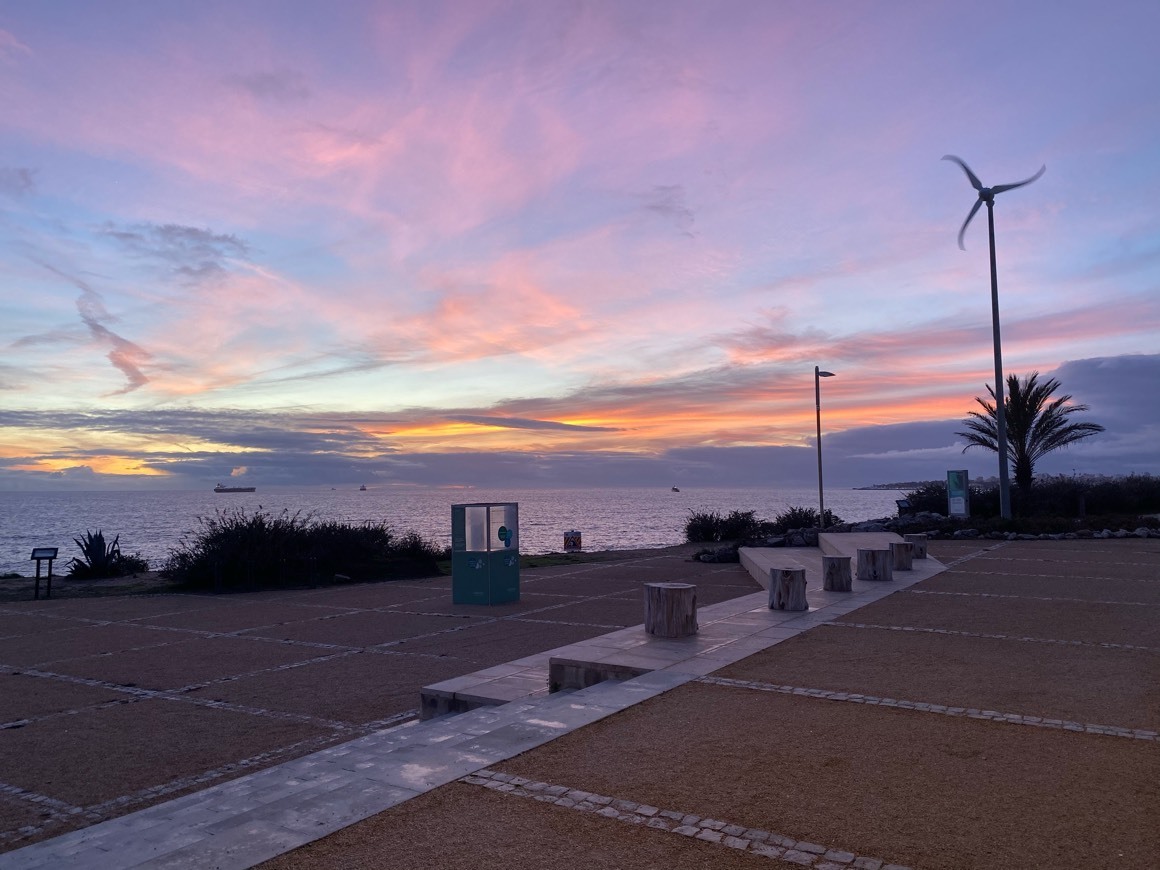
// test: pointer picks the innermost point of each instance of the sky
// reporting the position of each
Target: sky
(481, 243)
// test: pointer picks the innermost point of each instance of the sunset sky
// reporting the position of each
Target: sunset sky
(558, 243)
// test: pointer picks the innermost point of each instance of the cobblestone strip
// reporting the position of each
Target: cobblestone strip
(1092, 577)
(953, 632)
(717, 831)
(914, 591)
(940, 709)
(53, 812)
(1055, 551)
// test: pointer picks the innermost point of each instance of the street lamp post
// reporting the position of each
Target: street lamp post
(818, 375)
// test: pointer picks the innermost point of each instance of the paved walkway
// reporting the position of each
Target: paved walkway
(1001, 713)
(247, 820)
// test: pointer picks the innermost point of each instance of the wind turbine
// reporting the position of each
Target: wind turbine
(987, 195)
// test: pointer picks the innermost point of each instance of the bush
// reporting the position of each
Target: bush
(702, 527)
(100, 560)
(234, 550)
(802, 518)
(1130, 496)
(736, 526)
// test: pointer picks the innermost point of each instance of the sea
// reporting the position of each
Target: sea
(152, 523)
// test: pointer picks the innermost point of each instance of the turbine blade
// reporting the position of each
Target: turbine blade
(975, 183)
(999, 188)
(974, 208)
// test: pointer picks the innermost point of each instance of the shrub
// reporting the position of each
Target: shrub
(802, 518)
(702, 527)
(234, 550)
(99, 559)
(1130, 496)
(711, 527)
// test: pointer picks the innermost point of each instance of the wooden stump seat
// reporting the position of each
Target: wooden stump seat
(875, 565)
(787, 589)
(919, 542)
(836, 573)
(902, 553)
(670, 609)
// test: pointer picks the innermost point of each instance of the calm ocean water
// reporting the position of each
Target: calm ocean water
(150, 523)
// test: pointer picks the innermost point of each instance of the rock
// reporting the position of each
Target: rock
(1143, 532)
(1085, 533)
(796, 540)
(966, 533)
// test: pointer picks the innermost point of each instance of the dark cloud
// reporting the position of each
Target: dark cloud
(17, 182)
(668, 200)
(301, 448)
(278, 86)
(524, 423)
(188, 252)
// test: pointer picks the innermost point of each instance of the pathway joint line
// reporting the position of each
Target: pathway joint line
(988, 636)
(718, 832)
(939, 709)
(1030, 597)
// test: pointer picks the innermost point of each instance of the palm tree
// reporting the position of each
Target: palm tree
(1036, 425)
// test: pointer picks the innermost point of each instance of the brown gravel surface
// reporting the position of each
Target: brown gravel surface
(1052, 585)
(1081, 684)
(464, 827)
(1057, 620)
(916, 789)
(97, 755)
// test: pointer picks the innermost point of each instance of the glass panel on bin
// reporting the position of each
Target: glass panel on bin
(476, 528)
(504, 534)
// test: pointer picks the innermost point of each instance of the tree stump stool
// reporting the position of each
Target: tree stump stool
(919, 542)
(902, 553)
(787, 589)
(875, 565)
(836, 573)
(670, 609)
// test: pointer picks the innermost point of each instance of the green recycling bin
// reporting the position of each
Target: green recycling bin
(485, 553)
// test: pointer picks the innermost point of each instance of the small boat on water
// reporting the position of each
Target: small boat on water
(362, 488)
(675, 489)
(223, 488)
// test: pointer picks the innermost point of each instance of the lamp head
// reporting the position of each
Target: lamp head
(824, 374)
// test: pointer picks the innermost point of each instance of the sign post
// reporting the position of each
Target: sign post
(958, 494)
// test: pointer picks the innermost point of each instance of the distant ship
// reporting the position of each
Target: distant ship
(362, 488)
(223, 488)
(675, 489)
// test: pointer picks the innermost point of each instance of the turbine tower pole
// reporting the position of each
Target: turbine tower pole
(1000, 403)
(987, 195)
